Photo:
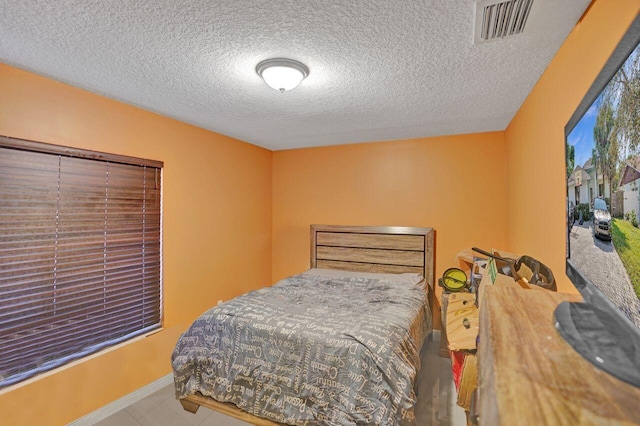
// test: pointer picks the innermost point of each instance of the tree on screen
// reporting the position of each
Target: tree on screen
(605, 150)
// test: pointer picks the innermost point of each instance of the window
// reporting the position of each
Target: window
(80, 262)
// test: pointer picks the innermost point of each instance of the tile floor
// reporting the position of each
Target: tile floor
(436, 405)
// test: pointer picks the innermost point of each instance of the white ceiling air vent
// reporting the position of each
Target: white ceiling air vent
(496, 20)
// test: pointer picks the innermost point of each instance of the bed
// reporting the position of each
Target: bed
(338, 344)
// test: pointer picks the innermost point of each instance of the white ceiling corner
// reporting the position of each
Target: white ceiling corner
(379, 70)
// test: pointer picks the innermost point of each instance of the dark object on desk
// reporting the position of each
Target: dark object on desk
(541, 274)
(599, 331)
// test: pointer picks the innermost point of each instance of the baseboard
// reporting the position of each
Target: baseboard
(119, 404)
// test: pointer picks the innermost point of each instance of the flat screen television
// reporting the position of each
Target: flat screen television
(603, 207)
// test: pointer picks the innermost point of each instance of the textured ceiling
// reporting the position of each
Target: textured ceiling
(379, 69)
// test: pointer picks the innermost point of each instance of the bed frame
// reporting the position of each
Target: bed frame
(381, 249)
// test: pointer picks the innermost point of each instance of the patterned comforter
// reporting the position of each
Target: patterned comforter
(311, 350)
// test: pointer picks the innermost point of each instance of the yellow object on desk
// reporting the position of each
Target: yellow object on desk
(462, 321)
(454, 280)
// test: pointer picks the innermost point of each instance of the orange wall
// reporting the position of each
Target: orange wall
(535, 137)
(455, 184)
(224, 199)
(216, 230)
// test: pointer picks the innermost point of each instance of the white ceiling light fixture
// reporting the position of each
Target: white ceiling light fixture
(282, 74)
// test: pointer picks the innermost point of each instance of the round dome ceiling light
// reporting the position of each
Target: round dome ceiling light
(282, 74)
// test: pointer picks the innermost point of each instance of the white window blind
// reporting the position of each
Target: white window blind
(80, 254)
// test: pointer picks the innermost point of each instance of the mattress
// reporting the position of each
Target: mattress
(322, 347)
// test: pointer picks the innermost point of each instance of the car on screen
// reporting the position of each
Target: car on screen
(601, 219)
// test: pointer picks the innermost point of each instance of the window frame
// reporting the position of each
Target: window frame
(115, 159)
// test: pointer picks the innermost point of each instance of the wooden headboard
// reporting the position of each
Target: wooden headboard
(385, 249)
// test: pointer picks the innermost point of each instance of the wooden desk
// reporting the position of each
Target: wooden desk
(530, 376)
